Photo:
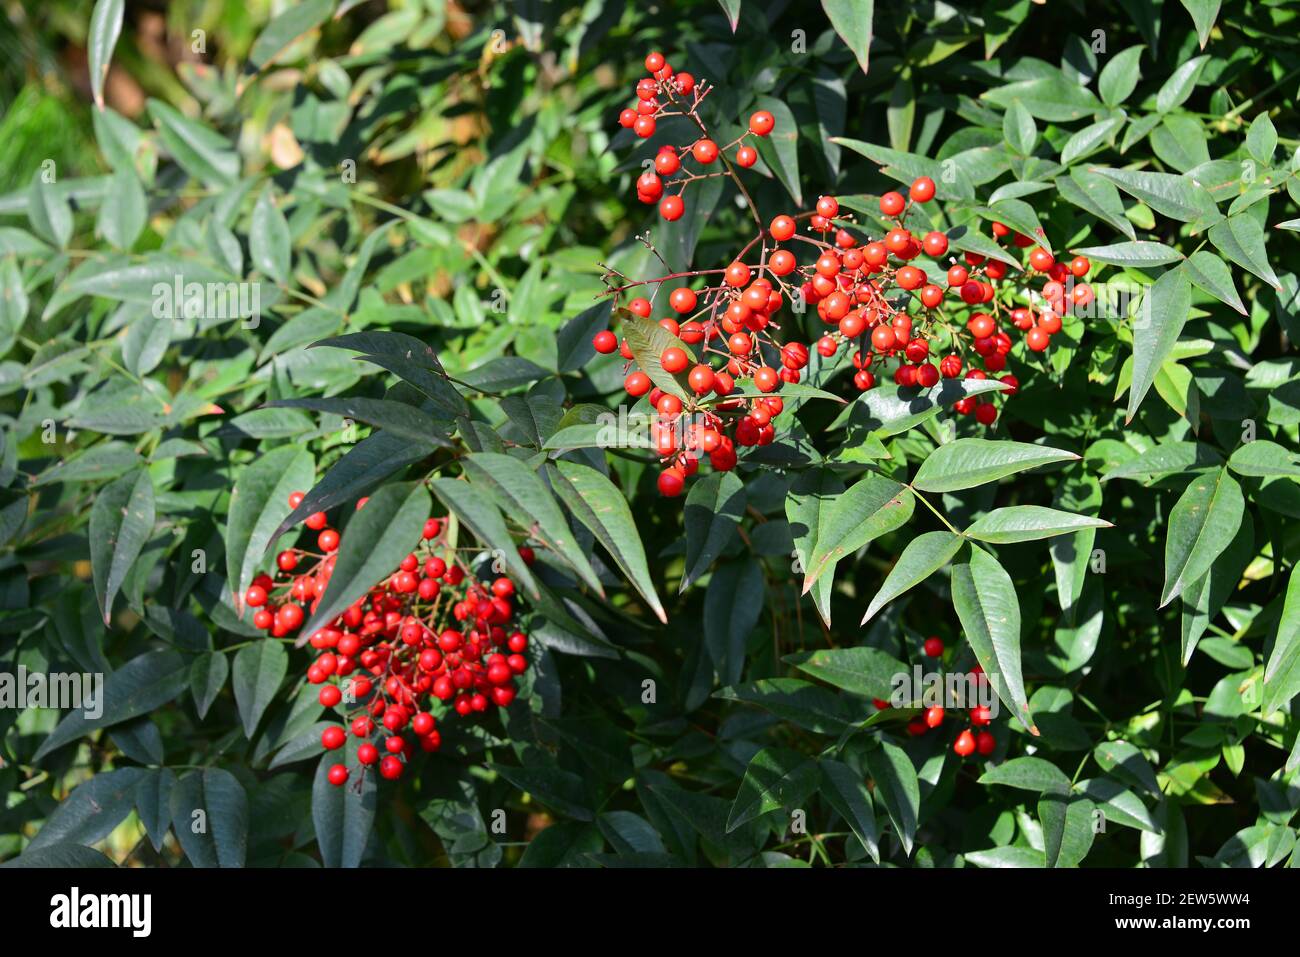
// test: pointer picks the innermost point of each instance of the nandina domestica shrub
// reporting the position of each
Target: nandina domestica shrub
(613, 435)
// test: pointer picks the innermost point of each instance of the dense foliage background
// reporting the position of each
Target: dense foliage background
(455, 172)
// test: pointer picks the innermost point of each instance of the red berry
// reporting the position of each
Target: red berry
(761, 123)
(985, 743)
(671, 208)
(828, 207)
(934, 647)
(705, 151)
(782, 228)
(671, 482)
(891, 204)
(965, 744)
(746, 156)
(338, 775)
(674, 360)
(922, 190)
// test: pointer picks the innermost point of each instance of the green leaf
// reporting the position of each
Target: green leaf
(776, 778)
(1118, 804)
(1018, 129)
(864, 671)
(295, 21)
(1179, 86)
(49, 212)
(810, 706)
(210, 817)
(143, 684)
(153, 803)
(1177, 196)
(1282, 673)
(343, 816)
(897, 786)
(1156, 328)
(923, 556)
(374, 543)
(780, 148)
(1026, 523)
(573, 345)
(714, 507)
(733, 603)
(523, 494)
(1211, 274)
(1128, 764)
(121, 521)
(259, 669)
(359, 472)
(1021, 217)
(986, 604)
(865, 511)
(732, 9)
(1095, 195)
(1261, 139)
(477, 513)
(406, 357)
(268, 240)
(1139, 254)
(846, 791)
(1119, 77)
(1201, 524)
(259, 505)
(1203, 14)
(906, 167)
(596, 502)
(1090, 139)
(129, 280)
(402, 420)
(1263, 459)
(124, 210)
(852, 21)
(92, 811)
(1053, 98)
(200, 151)
(562, 790)
(647, 340)
(208, 676)
(105, 28)
(811, 492)
(1241, 239)
(1028, 774)
(888, 410)
(1204, 598)
(966, 463)
(1010, 856)
(1068, 829)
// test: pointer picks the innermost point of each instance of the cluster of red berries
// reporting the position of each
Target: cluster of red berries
(856, 288)
(729, 324)
(969, 740)
(666, 92)
(878, 302)
(429, 637)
